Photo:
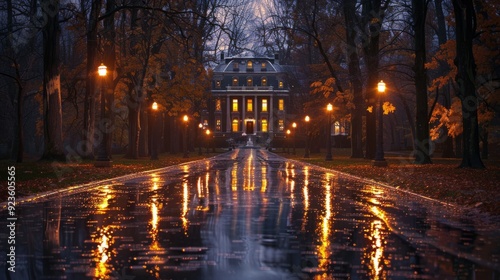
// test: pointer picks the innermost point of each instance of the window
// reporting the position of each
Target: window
(235, 105)
(264, 105)
(264, 125)
(249, 65)
(263, 66)
(263, 81)
(218, 125)
(281, 104)
(217, 105)
(235, 81)
(235, 126)
(249, 81)
(281, 125)
(217, 84)
(249, 105)
(236, 66)
(281, 84)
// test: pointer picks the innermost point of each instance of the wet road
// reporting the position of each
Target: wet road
(246, 214)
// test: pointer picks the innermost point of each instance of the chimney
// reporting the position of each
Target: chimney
(276, 58)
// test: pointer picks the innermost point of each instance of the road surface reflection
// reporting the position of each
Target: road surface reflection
(247, 214)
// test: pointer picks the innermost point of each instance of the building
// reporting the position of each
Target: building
(249, 98)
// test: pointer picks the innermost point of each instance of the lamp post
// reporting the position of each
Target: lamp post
(186, 119)
(154, 148)
(200, 126)
(328, 157)
(379, 154)
(288, 141)
(103, 159)
(207, 132)
(307, 119)
(294, 125)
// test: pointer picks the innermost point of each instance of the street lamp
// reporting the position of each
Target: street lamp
(379, 154)
(288, 141)
(186, 119)
(307, 119)
(328, 157)
(103, 159)
(154, 148)
(294, 125)
(207, 132)
(200, 126)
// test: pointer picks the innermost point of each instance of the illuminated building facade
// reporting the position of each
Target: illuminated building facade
(250, 96)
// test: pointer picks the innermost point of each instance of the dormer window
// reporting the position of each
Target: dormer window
(236, 66)
(263, 81)
(280, 84)
(263, 66)
(235, 81)
(249, 65)
(217, 84)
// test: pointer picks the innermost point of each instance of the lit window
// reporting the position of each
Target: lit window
(264, 125)
(235, 105)
(337, 128)
(235, 125)
(249, 105)
(264, 105)
(249, 81)
(264, 82)
(218, 125)
(263, 66)
(217, 84)
(281, 84)
(249, 65)
(281, 125)
(235, 81)
(281, 104)
(236, 66)
(217, 105)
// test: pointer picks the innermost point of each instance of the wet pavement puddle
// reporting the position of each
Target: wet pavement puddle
(247, 214)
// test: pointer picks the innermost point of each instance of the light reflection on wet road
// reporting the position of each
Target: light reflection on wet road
(247, 214)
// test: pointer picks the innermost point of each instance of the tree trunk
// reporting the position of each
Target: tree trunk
(465, 18)
(89, 107)
(443, 69)
(355, 80)
(422, 141)
(51, 81)
(134, 130)
(20, 134)
(372, 19)
(110, 61)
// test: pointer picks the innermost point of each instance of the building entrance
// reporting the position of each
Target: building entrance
(249, 127)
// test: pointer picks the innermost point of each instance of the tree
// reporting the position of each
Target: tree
(422, 141)
(355, 79)
(466, 21)
(371, 20)
(51, 81)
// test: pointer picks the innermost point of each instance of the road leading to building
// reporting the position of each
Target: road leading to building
(246, 214)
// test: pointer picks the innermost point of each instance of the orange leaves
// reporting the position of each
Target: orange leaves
(326, 88)
(343, 100)
(388, 108)
(444, 57)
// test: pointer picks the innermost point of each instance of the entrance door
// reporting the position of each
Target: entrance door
(249, 127)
